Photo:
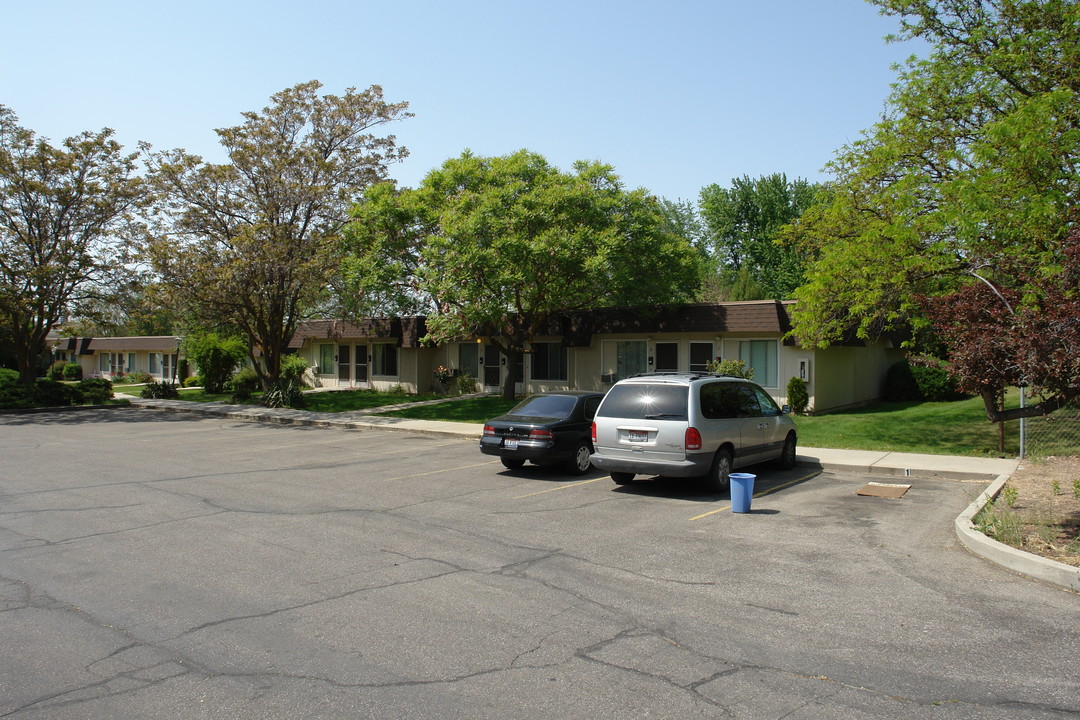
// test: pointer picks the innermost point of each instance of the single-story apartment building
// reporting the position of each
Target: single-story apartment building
(156, 355)
(592, 350)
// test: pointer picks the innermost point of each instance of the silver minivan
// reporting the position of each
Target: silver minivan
(689, 425)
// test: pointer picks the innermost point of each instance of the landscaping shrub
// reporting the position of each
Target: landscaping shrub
(140, 378)
(8, 377)
(51, 393)
(935, 383)
(797, 395)
(293, 368)
(73, 371)
(243, 385)
(216, 357)
(56, 370)
(284, 393)
(899, 384)
(163, 390)
(731, 368)
(466, 383)
(95, 391)
(923, 379)
(193, 381)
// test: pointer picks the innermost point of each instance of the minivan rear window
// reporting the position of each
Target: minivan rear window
(645, 402)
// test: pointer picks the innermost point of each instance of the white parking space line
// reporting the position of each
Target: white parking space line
(561, 487)
(763, 493)
(442, 470)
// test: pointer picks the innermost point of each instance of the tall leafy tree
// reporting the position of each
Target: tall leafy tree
(968, 179)
(63, 213)
(253, 243)
(744, 223)
(500, 246)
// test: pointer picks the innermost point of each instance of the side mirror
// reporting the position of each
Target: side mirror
(786, 410)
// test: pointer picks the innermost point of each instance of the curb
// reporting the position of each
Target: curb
(1018, 561)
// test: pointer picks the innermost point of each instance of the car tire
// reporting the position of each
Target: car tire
(787, 455)
(622, 478)
(512, 463)
(581, 463)
(719, 478)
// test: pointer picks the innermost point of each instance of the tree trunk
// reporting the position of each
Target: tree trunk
(511, 354)
(1044, 408)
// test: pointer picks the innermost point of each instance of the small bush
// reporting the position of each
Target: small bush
(140, 378)
(243, 385)
(95, 390)
(731, 368)
(216, 357)
(193, 381)
(797, 395)
(73, 371)
(293, 368)
(899, 384)
(56, 394)
(14, 396)
(934, 382)
(163, 390)
(466, 383)
(56, 370)
(284, 393)
(8, 377)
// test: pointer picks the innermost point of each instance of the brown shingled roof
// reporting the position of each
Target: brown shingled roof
(89, 345)
(407, 330)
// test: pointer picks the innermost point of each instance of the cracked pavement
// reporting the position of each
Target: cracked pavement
(155, 565)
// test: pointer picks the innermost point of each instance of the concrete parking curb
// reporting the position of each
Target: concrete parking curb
(1033, 566)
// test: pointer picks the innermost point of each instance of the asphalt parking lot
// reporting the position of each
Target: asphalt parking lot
(155, 565)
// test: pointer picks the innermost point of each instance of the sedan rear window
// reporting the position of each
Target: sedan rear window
(549, 406)
(645, 402)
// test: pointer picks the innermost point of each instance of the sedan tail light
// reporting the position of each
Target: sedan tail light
(693, 439)
(541, 435)
(488, 430)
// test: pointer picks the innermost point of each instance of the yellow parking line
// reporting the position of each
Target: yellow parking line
(436, 472)
(760, 494)
(561, 487)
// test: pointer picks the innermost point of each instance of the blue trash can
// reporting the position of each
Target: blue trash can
(742, 490)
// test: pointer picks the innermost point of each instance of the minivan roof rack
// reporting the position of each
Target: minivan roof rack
(693, 375)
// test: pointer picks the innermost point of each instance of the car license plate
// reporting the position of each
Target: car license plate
(510, 443)
(639, 436)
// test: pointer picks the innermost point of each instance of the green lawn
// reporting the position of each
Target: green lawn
(328, 402)
(945, 428)
(472, 410)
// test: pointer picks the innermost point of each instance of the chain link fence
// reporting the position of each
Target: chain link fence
(1056, 434)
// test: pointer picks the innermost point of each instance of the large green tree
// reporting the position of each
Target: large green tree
(63, 214)
(744, 223)
(499, 246)
(969, 177)
(253, 243)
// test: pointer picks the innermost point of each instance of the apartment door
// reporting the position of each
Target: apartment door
(361, 364)
(344, 372)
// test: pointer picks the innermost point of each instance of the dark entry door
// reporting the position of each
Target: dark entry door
(344, 366)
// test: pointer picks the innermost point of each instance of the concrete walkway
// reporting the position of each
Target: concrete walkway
(910, 466)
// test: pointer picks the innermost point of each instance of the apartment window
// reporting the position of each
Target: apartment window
(469, 358)
(761, 356)
(130, 367)
(667, 356)
(548, 361)
(623, 358)
(155, 363)
(326, 359)
(701, 354)
(103, 362)
(384, 359)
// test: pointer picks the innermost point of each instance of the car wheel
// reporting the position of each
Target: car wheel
(582, 461)
(719, 477)
(787, 456)
(622, 478)
(512, 463)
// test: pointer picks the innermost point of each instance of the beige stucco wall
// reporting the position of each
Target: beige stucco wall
(850, 376)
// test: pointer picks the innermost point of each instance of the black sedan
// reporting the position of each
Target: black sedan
(545, 429)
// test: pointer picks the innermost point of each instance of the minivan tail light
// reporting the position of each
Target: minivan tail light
(594, 433)
(693, 439)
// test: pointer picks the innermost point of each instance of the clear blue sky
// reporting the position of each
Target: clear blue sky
(675, 95)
